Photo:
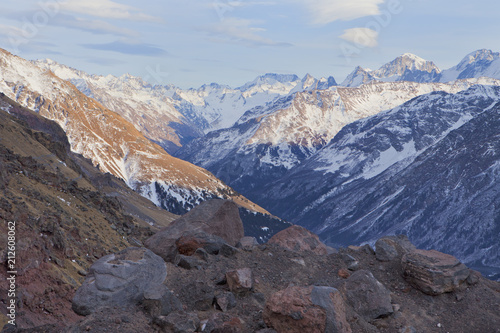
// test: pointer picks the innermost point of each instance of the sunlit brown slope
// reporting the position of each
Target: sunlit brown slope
(109, 140)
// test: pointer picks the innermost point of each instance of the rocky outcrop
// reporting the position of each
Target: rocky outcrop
(368, 297)
(119, 280)
(306, 309)
(297, 238)
(215, 217)
(433, 272)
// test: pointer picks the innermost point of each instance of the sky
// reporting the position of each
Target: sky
(189, 43)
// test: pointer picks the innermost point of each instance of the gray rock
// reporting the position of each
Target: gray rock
(198, 296)
(247, 243)
(160, 301)
(392, 247)
(119, 280)
(330, 299)
(201, 254)
(225, 301)
(178, 322)
(433, 272)
(351, 262)
(369, 298)
(240, 280)
(228, 250)
(188, 262)
(216, 217)
(385, 250)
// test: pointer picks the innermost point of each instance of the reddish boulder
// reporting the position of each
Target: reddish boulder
(215, 217)
(299, 239)
(306, 309)
(433, 272)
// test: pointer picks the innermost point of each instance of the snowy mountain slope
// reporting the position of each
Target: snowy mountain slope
(147, 107)
(109, 140)
(222, 106)
(428, 168)
(268, 141)
(407, 67)
(481, 63)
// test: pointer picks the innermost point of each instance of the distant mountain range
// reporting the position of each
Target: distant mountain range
(384, 152)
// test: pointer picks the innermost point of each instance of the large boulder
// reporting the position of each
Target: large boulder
(392, 247)
(214, 217)
(297, 238)
(306, 309)
(368, 297)
(119, 280)
(433, 272)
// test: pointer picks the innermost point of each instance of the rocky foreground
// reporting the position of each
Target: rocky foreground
(200, 274)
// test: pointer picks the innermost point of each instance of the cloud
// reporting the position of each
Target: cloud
(107, 9)
(327, 11)
(93, 26)
(241, 30)
(128, 48)
(361, 36)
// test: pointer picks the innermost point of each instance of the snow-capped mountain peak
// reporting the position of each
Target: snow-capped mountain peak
(407, 67)
(479, 55)
(404, 63)
(480, 63)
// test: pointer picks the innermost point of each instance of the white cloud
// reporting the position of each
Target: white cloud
(93, 26)
(361, 36)
(241, 30)
(106, 9)
(326, 11)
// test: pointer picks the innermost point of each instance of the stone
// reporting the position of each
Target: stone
(351, 262)
(368, 297)
(119, 280)
(158, 300)
(178, 322)
(365, 249)
(392, 247)
(201, 254)
(187, 262)
(215, 217)
(306, 309)
(247, 243)
(299, 239)
(240, 280)
(343, 273)
(433, 272)
(198, 295)
(228, 250)
(473, 278)
(225, 301)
